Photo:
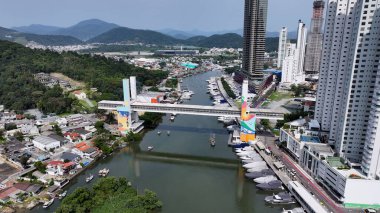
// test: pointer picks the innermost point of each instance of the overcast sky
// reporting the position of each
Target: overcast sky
(206, 15)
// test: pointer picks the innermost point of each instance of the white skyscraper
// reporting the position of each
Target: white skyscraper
(282, 46)
(348, 100)
(293, 63)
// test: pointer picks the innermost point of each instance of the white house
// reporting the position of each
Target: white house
(80, 94)
(45, 143)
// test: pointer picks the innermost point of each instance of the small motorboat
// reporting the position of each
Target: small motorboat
(62, 195)
(103, 172)
(172, 117)
(212, 140)
(159, 133)
(89, 178)
(150, 148)
(48, 203)
(295, 210)
(168, 133)
(280, 198)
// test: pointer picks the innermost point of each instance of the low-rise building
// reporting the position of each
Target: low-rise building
(298, 133)
(45, 143)
(340, 177)
(80, 95)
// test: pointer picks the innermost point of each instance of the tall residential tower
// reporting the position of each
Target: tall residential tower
(282, 41)
(348, 100)
(314, 39)
(255, 18)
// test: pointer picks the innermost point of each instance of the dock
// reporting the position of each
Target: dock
(274, 166)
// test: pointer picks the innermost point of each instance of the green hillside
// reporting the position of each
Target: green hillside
(19, 91)
(127, 35)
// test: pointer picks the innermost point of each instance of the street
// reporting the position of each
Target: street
(308, 182)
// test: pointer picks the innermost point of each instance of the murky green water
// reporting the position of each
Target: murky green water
(186, 173)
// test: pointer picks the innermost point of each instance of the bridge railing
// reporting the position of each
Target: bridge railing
(191, 109)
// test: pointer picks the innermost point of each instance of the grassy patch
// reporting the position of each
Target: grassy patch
(276, 96)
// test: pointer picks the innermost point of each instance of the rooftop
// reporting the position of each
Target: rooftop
(44, 140)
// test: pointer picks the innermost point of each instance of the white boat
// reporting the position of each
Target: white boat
(245, 149)
(159, 133)
(257, 169)
(62, 195)
(89, 178)
(295, 210)
(168, 133)
(246, 153)
(104, 172)
(48, 203)
(150, 148)
(254, 164)
(252, 160)
(172, 117)
(265, 179)
(249, 157)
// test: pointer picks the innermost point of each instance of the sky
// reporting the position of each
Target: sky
(205, 15)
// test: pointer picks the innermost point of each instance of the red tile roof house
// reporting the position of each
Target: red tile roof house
(85, 150)
(73, 137)
(59, 167)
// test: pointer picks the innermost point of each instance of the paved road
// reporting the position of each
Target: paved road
(302, 176)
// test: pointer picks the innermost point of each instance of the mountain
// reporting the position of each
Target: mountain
(48, 40)
(228, 40)
(291, 34)
(178, 34)
(128, 35)
(37, 29)
(87, 29)
(195, 39)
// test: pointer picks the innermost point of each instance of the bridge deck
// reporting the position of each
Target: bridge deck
(191, 109)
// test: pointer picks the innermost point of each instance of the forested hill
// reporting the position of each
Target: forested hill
(19, 91)
(48, 40)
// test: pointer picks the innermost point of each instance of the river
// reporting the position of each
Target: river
(185, 172)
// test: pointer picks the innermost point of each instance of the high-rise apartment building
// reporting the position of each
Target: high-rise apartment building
(314, 39)
(293, 64)
(255, 18)
(348, 100)
(282, 41)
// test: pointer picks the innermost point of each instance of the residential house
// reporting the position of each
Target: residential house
(85, 151)
(80, 95)
(73, 137)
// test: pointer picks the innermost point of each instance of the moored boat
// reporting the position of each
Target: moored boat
(89, 178)
(104, 172)
(273, 185)
(258, 174)
(48, 203)
(265, 179)
(280, 198)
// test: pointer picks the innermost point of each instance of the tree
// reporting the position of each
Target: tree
(40, 166)
(10, 126)
(99, 125)
(265, 123)
(24, 160)
(19, 136)
(57, 130)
